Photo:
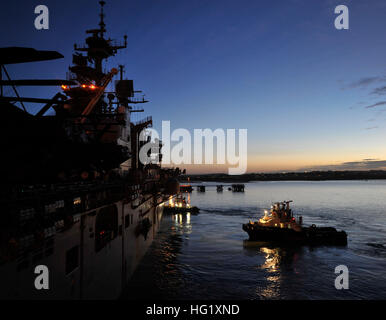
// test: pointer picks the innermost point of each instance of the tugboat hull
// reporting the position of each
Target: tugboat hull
(174, 210)
(307, 236)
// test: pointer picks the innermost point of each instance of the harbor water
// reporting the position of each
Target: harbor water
(207, 256)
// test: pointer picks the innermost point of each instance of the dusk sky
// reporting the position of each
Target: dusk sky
(311, 96)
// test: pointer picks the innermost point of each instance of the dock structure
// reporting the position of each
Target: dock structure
(186, 188)
(201, 188)
(238, 187)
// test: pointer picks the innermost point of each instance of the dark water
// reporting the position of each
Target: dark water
(206, 256)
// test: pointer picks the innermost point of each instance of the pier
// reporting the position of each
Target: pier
(219, 188)
(201, 188)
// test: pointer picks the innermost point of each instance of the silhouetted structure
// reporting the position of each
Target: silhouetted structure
(238, 187)
(292, 176)
(186, 188)
(74, 195)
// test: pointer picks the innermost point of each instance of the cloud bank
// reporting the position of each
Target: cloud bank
(365, 164)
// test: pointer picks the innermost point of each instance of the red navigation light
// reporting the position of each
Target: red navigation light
(92, 86)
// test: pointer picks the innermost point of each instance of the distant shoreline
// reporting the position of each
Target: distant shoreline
(288, 176)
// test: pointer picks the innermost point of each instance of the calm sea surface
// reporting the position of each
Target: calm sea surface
(207, 256)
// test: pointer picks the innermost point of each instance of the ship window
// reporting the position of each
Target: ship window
(72, 259)
(127, 221)
(77, 204)
(106, 226)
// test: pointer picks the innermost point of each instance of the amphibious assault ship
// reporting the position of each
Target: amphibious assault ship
(74, 196)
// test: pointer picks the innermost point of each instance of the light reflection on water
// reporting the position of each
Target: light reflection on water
(206, 256)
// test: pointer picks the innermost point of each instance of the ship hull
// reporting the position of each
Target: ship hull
(176, 210)
(83, 264)
(308, 235)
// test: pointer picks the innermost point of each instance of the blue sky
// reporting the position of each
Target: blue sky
(277, 68)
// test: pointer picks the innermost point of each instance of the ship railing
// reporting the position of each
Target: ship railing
(136, 109)
(137, 100)
(116, 43)
(24, 196)
(142, 121)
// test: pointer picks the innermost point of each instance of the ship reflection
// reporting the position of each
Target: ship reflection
(178, 218)
(272, 259)
(160, 275)
(275, 260)
(182, 223)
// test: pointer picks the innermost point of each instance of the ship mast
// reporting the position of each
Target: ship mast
(97, 47)
(102, 23)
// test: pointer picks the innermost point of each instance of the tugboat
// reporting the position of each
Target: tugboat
(281, 226)
(180, 205)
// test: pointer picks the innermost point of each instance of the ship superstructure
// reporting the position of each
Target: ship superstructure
(74, 195)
